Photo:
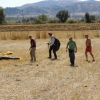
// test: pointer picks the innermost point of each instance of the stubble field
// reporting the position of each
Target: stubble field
(48, 79)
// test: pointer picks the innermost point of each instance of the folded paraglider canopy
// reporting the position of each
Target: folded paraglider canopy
(7, 56)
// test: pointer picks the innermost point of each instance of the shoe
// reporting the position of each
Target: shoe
(93, 60)
(31, 60)
(54, 58)
(72, 65)
(49, 57)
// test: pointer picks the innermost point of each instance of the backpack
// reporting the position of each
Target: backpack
(57, 44)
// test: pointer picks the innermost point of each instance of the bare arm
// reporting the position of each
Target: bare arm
(75, 48)
(32, 43)
(66, 47)
(90, 42)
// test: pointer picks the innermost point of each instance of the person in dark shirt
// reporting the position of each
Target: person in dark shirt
(32, 48)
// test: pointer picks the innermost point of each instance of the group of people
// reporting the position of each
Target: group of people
(71, 47)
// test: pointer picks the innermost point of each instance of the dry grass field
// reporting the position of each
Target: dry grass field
(48, 79)
(22, 35)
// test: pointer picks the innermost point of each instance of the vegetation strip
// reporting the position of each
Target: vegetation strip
(56, 27)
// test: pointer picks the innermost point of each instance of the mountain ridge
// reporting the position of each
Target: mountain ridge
(48, 3)
(76, 9)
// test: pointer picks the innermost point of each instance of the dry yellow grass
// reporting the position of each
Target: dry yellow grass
(46, 27)
(19, 35)
(15, 32)
(46, 79)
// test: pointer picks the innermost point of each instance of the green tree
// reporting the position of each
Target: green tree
(31, 19)
(2, 15)
(93, 18)
(27, 20)
(38, 21)
(63, 15)
(87, 17)
(43, 17)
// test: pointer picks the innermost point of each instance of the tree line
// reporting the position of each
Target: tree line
(62, 16)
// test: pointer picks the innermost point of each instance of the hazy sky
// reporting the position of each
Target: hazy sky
(14, 3)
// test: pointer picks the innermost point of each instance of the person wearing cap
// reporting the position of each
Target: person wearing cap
(32, 48)
(52, 46)
(88, 48)
(71, 46)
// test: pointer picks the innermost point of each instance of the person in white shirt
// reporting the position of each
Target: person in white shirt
(52, 46)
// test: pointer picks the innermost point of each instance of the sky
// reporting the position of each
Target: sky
(15, 3)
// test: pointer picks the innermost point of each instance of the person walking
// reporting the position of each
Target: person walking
(71, 46)
(88, 48)
(32, 48)
(52, 46)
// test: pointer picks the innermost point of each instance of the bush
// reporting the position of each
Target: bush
(53, 21)
(71, 21)
(38, 21)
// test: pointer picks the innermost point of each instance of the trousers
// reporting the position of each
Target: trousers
(72, 56)
(54, 51)
(32, 53)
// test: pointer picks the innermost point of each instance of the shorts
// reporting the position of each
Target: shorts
(88, 49)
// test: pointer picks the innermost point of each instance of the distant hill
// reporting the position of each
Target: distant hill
(76, 8)
(48, 3)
